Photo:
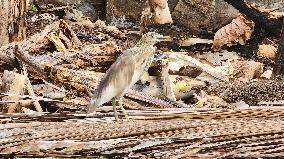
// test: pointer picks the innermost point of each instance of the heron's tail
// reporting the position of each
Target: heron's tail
(92, 106)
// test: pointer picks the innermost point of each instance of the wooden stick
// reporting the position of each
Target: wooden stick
(30, 90)
(167, 83)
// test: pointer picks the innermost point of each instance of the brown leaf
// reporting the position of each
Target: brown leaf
(246, 70)
(238, 31)
(265, 50)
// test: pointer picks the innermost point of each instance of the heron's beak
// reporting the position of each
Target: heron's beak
(164, 38)
(160, 57)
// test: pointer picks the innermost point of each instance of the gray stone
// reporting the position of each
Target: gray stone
(93, 9)
(194, 14)
(131, 9)
(212, 14)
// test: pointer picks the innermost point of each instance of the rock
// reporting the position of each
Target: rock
(55, 3)
(131, 9)
(194, 14)
(211, 14)
(93, 9)
(199, 14)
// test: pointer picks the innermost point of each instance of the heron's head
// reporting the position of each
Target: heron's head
(151, 38)
(92, 106)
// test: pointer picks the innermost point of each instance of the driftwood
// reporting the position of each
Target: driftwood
(49, 67)
(97, 55)
(49, 91)
(30, 90)
(67, 66)
(81, 80)
(39, 41)
(13, 83)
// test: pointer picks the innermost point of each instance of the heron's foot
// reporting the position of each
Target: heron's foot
(116, 116)
(114, 109)
(122, 109)
(124, 113)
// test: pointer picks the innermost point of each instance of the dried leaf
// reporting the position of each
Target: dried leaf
(267, 74)
(238, 31)
(205, 100)
(246, 70)
(267, 51)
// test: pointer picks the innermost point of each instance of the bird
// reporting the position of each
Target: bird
(125, 72)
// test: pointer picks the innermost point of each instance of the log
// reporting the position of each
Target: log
(81, 80)
(31, 91)
(13, 83)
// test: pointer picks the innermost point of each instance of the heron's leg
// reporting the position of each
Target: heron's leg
(114, 109)
(123, 110)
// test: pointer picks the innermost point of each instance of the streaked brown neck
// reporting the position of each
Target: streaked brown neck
(144, 43)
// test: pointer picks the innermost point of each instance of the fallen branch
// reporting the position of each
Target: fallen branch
(81, 80)
(30, 90)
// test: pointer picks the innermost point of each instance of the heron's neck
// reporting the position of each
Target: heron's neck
(144, 49)
(144, 44)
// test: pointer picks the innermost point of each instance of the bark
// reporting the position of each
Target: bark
(13, 21)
